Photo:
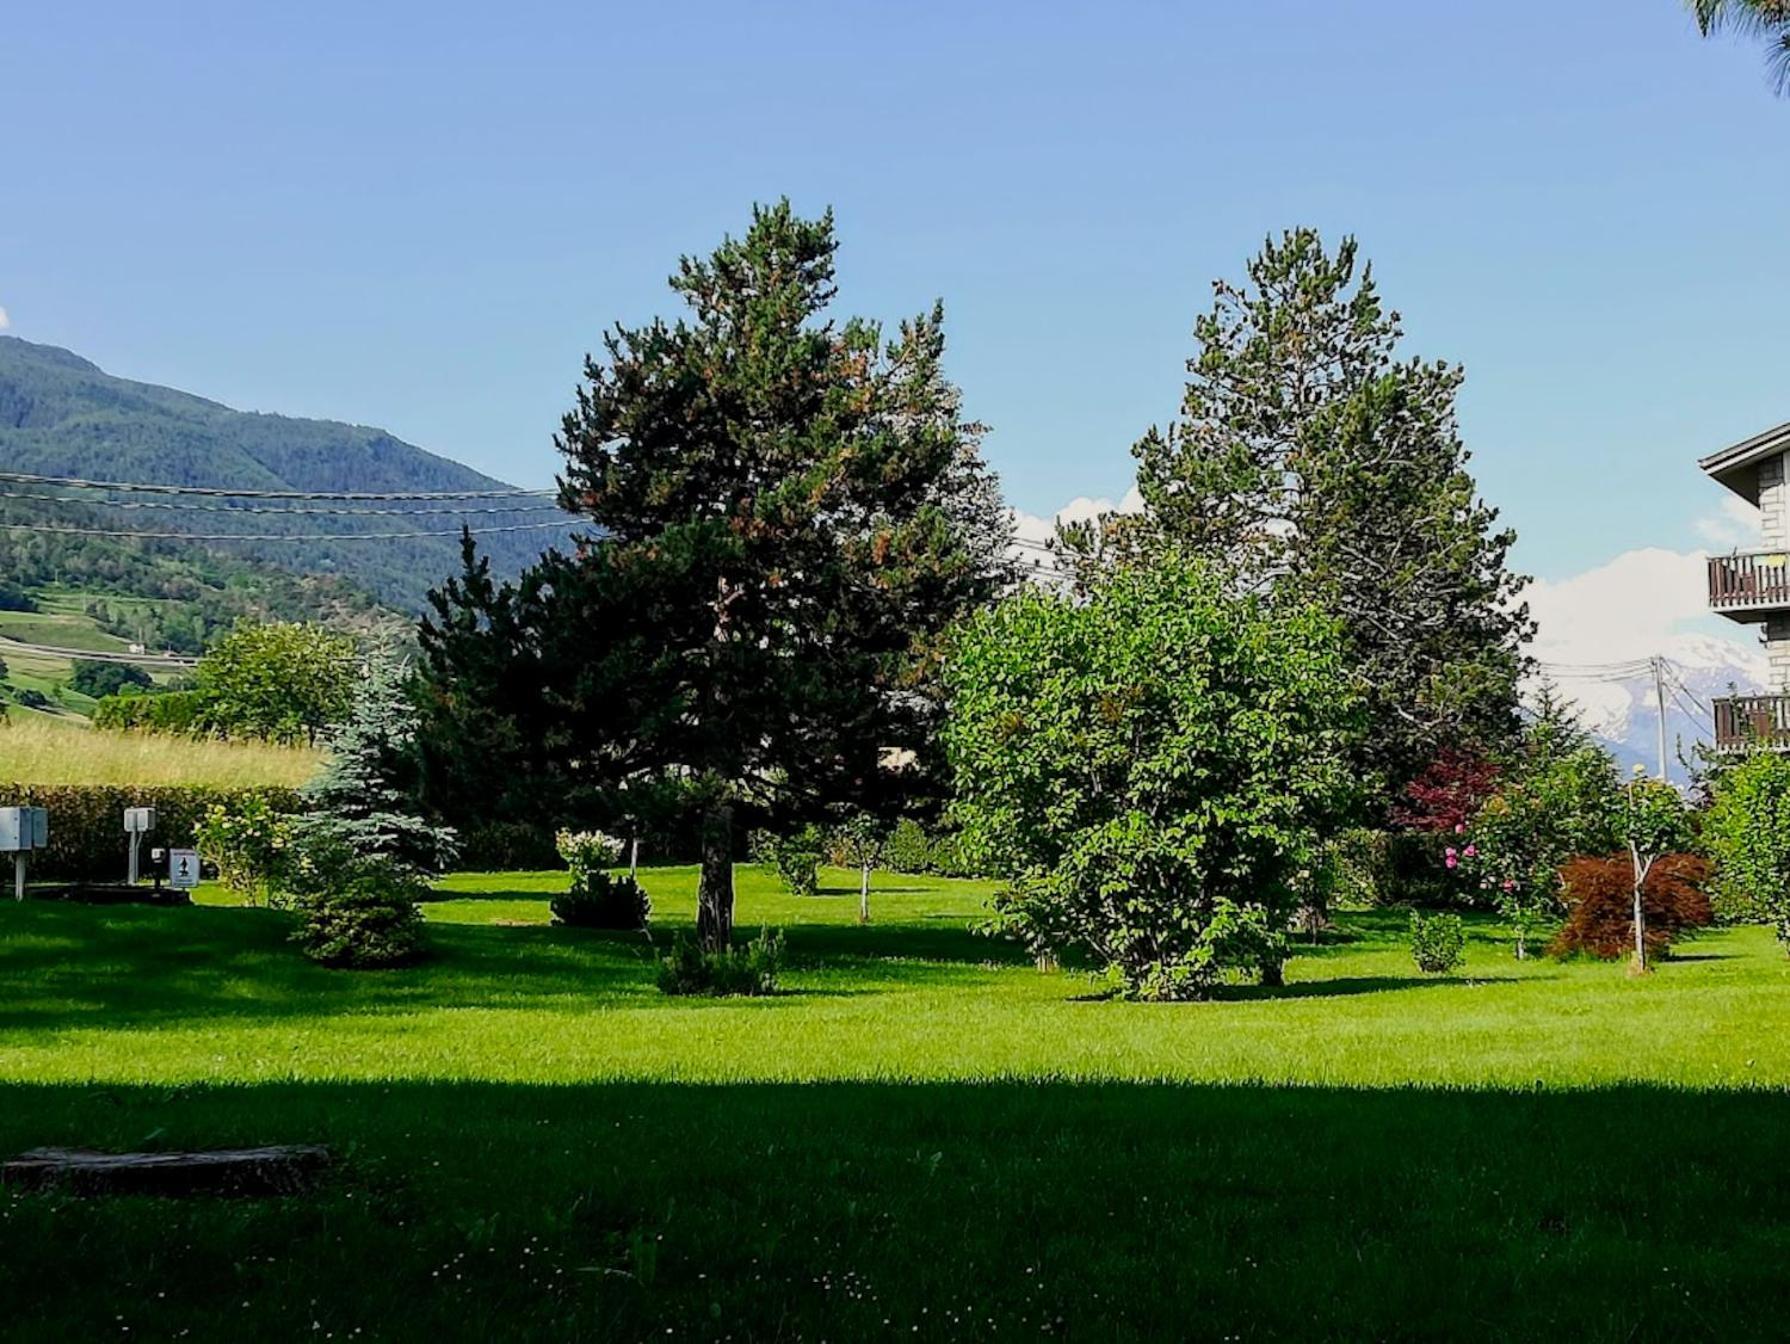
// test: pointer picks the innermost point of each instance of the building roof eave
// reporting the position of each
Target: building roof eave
(1734, 466)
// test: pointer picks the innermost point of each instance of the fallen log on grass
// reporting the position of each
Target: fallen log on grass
(282, 1169)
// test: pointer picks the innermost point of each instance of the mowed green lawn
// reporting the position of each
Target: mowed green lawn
(923, 1138)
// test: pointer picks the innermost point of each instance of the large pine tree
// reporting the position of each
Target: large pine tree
(789, 510)
(1308, 454)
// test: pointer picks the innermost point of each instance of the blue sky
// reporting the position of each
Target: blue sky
(421, 216)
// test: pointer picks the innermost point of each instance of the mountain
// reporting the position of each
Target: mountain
(1623, 713)
(61, 415)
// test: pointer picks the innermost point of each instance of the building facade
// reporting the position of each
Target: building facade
(1753, 587)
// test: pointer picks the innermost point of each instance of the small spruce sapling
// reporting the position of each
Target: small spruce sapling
(364, 854)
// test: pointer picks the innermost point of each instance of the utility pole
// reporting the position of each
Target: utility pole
(1659, 693)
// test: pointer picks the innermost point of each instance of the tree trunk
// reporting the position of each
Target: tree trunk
(634, 857)
(714, 893)
(1640, 963)
(1274, 974)
(864, 896)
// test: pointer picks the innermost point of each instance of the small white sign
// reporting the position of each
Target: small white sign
(183, 869)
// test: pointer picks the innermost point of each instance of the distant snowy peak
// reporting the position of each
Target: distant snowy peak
(1621, 708)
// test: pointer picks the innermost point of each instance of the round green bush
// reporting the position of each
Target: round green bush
(603, 901)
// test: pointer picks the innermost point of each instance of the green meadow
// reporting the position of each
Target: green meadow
(923, 1137)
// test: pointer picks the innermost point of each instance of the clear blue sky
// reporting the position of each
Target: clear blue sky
(420, 216)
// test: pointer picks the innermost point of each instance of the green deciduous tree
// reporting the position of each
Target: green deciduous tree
(1653, 822)
(790, 510)
(100, 679)
(1151, 770)
(1558, 797)
(278, 680)
(1308, 456)
(1747, 834)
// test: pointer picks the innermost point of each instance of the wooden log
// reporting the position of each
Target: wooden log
(281, 1169)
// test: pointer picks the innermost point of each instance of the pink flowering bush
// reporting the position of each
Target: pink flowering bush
(1561, 799)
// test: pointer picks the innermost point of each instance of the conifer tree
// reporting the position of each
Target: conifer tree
(789, 510)
(1307, 455)
(364, 801)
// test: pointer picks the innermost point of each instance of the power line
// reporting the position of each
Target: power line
(220, 492)
(262, 509)
(275, 536)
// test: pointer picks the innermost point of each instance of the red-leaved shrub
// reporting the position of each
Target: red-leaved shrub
(1600, 894)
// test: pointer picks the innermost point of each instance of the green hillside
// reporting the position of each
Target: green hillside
(61, 415)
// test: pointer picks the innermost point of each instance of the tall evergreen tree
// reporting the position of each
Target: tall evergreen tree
(789, 512)
(1308, 455)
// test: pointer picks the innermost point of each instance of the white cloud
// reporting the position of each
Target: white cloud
(1736, 527)
(1642, 603)
(5, 321)
(1629, 607)
(1030, 527)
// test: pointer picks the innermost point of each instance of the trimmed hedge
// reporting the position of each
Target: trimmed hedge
(87, 839)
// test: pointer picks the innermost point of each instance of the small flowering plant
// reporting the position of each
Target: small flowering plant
(1510, 854)
(587, 852)
(251, 842)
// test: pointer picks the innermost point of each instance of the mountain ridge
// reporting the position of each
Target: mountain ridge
(63, 415)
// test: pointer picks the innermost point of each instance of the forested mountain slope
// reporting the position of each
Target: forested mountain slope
(62, 416)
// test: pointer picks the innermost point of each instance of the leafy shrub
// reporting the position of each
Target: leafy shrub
(603, 901)
(1747, 834)
(358, 913)
(1356, 869)
(911, 848)
(251, 842)
(1600, 905)
(175, 713)
(1151, 769)
(31, 698)
(796, 858)
(87, 839)
(747, 969)
(1438, 943)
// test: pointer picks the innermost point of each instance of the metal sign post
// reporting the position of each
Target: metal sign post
(138, 821)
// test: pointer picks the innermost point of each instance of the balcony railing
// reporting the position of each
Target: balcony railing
(1754, 582)
(1746, 721)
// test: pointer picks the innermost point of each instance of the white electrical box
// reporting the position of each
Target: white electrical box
(23, 829)
(139, 820)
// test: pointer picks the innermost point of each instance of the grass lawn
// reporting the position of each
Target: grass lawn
(925, 1138)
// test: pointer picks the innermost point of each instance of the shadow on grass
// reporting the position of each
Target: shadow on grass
(74, 966)
(922, 1210)
(1348, 986)
(874, 892)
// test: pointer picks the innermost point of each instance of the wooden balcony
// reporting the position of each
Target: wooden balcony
(1750, 586)
(1746, 722)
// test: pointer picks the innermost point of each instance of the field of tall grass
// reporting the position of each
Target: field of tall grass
(37, 750)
